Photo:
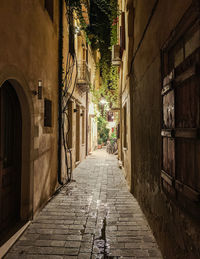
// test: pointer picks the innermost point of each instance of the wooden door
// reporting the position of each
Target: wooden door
(10, 157)
(77, 133)
(181, 114)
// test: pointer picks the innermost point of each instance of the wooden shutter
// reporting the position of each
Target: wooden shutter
(47, 113)
(181, 113)
(71, 36)
(118, 130)
(122, 31)
(131, 18)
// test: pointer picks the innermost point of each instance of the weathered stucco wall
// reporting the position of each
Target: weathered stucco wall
(79, 99)
(29, 43)
(125, 148)
(29, 52)
(176, 232)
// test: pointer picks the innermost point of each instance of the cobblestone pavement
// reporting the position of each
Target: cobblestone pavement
(94, 217)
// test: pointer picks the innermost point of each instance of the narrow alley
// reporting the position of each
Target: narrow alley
(95, 216)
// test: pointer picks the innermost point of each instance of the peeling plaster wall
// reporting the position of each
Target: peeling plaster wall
(176, 232)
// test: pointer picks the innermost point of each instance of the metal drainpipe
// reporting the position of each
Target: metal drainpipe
(60, 72)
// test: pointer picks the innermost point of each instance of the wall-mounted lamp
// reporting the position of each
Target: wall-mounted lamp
(103, 101)
(39, 91)
(77, 30)
(75, 110)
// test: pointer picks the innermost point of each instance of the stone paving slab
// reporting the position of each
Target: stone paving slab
(94, 217)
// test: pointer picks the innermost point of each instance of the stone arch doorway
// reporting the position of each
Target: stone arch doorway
(10, 156)
(13, 77)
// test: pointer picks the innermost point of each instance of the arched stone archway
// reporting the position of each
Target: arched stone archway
(17, 81)
(10, 156)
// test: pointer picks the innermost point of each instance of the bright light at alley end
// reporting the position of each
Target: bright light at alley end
(103, 101)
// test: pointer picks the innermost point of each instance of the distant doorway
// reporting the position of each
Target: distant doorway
(77, 133)
(10, 157)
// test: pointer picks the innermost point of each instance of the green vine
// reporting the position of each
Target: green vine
(109, 88)
(101, 34)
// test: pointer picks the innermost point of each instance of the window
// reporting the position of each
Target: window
(181, 108)
(118, 131)
(71, 36)
(125, 126)
(77, 133)
(87, 53)
(122, 32)
(47, 113)
(110, 116)
(49, 7)
(131, 18)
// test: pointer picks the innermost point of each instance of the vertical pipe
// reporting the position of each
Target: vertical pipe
(60, 72)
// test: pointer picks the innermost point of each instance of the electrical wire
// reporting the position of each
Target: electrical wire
(68, 84)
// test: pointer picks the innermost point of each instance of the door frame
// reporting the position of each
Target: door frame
(77, 133)
(18, 82)
(10, 106)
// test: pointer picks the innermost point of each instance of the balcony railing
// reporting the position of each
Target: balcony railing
(83, 78)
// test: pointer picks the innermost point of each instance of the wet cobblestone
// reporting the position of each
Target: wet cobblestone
(94, 217)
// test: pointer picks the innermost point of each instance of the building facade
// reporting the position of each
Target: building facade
(29, 52)
(159, 118)
(35, 48)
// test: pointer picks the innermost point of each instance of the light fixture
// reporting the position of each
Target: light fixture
(77, 30)
(103, 101)
(39, 91)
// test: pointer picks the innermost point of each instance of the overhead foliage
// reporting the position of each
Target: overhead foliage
(101, 33)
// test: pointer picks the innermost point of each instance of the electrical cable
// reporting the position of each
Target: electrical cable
(67, 83)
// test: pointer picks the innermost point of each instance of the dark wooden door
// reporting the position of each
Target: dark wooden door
(181, 114)
(77, 133)
(10, 157)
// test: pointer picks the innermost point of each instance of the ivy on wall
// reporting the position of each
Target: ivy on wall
(101, 34)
